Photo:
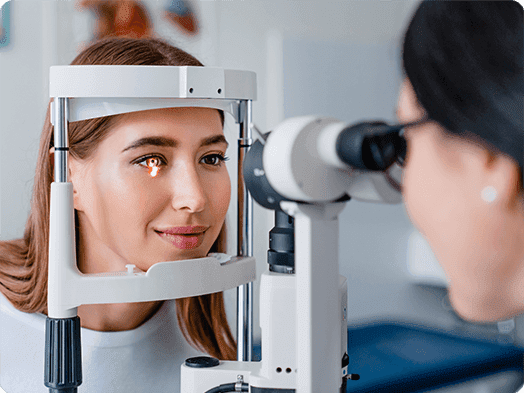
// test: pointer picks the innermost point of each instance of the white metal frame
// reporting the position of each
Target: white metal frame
(85, 92)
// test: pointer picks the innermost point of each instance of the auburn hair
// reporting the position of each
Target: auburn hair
(24, 262)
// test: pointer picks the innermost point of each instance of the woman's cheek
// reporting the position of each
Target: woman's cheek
(226, 193)
(141, 195)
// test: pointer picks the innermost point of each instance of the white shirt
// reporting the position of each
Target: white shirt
(145, 359)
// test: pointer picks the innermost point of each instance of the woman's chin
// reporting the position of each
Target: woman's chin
(169, 257)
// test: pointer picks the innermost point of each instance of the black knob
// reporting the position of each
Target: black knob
(345, 360)
(63, 356)
(202, 362)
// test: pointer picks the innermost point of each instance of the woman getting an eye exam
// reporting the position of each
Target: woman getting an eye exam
(143, 182)
(148, 187)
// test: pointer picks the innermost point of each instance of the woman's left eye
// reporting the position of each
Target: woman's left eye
(214, 159)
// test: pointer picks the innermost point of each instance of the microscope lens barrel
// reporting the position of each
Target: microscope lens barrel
(281, 253)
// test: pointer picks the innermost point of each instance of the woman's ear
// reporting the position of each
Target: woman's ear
(52, 159)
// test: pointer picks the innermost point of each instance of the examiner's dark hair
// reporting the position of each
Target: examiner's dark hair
(465, 62)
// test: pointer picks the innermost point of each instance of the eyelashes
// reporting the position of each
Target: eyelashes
(221, 158)
(154, 163)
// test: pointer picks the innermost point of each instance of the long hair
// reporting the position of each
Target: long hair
(24, 262)
(465, 61)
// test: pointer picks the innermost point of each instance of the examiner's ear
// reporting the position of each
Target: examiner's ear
(408, 107)
(72, 172)
(502, 173)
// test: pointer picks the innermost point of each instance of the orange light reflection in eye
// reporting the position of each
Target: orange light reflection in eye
(153, 168)
(153, 171)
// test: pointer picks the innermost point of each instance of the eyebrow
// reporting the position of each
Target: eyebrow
(168, 142)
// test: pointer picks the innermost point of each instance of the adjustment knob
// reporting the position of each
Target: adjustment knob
(202, 362)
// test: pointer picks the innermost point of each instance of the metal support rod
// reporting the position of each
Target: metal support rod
(63, 354)
(244, 240)
(61, 139)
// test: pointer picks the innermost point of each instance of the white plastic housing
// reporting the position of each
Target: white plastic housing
(102, 90)
(200, 380)
(293, 166)
(279, 343)
(278, 324)
(318, 302)
(301, 164)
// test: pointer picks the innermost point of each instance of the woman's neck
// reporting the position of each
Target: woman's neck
(116, 317)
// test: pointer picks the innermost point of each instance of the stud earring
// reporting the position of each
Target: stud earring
(489, 194)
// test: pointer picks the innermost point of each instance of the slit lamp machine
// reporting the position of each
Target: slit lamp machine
(306, 170)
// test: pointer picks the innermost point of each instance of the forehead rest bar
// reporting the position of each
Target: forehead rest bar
(104, 90)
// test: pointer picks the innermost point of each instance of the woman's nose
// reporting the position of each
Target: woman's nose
(188, 191)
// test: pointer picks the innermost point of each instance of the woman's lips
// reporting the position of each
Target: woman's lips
(183, 242)
(183, 230)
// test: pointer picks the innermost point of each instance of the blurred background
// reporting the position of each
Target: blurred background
(331, 58)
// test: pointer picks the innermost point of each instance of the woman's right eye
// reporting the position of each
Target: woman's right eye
(152, 163)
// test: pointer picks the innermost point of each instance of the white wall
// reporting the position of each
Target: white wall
(22, 103)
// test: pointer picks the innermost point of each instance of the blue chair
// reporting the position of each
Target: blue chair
(394, 357)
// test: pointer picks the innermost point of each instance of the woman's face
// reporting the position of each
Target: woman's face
(478, 245)
(157, 171)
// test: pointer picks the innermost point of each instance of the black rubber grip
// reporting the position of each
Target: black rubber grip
(63, 356)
